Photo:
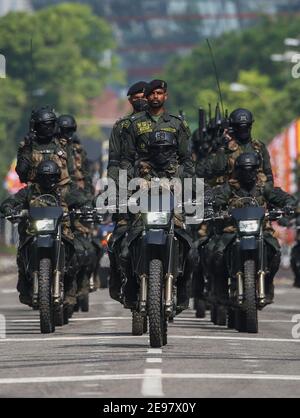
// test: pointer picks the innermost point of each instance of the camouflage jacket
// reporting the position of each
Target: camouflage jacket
(222, 165)
(135, 151)
(115, 147)
(232, 195)
(30, 154)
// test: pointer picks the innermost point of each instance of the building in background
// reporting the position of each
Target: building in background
(7, 6)
(150, 32)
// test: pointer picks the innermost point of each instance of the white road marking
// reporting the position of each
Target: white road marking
(255, 339)
(152, 383)
(94, 394)
(153, 360)
(8, 291)
(260, 372)
(102, 318)
(151, 375)
(143, 337)
(285, 307)
(154, 351)
(276, 321)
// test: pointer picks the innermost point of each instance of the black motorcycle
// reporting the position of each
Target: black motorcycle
(43, 254)
(158, 252)
(247, 265)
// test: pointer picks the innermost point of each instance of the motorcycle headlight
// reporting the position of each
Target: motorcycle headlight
(45, 225)
(158, 218)
(249, 226)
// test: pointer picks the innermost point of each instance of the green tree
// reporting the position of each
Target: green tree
(69, 65)
(245, 58)
(68, 46)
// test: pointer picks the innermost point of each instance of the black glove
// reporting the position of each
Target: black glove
(288, 210)
(8, 211)
(86, 210)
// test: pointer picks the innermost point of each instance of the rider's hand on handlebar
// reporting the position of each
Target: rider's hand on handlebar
(288, 210)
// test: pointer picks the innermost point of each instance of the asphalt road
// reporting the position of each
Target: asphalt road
(96, 355)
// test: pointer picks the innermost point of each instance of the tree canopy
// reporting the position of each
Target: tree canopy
(243, 58)
(65, 67)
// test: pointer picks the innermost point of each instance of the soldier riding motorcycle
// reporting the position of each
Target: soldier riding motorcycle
(246, 250)
(155, 260)
(46, 261)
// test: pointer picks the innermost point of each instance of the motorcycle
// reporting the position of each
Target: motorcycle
(157, 251)
(247, 265)
(44, 257)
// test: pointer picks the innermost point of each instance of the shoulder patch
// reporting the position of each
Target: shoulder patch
(137, 116)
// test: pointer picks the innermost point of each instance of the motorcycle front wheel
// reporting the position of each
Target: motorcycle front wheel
(157, 323)
(47, 324)
(250, 303)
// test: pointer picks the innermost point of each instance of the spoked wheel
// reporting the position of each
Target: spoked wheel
(157, 329)
(137, 323)
(250, 305)
(47, 324)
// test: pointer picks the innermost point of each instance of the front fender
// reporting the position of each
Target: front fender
(249, 243)
(45, 241)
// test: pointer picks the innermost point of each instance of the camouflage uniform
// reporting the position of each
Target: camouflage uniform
(115, 243)
(81, 174)
(67, 197)
(115, 147)
(136, 138)
(138, 161)
(32, 153)
(229, 195)
(222, 165)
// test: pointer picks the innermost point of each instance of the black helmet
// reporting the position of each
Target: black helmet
(44, 122)
(162, 146)
(241, 117)
(67, 126)
(246, 166)
(241, 121)
(48, 174)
